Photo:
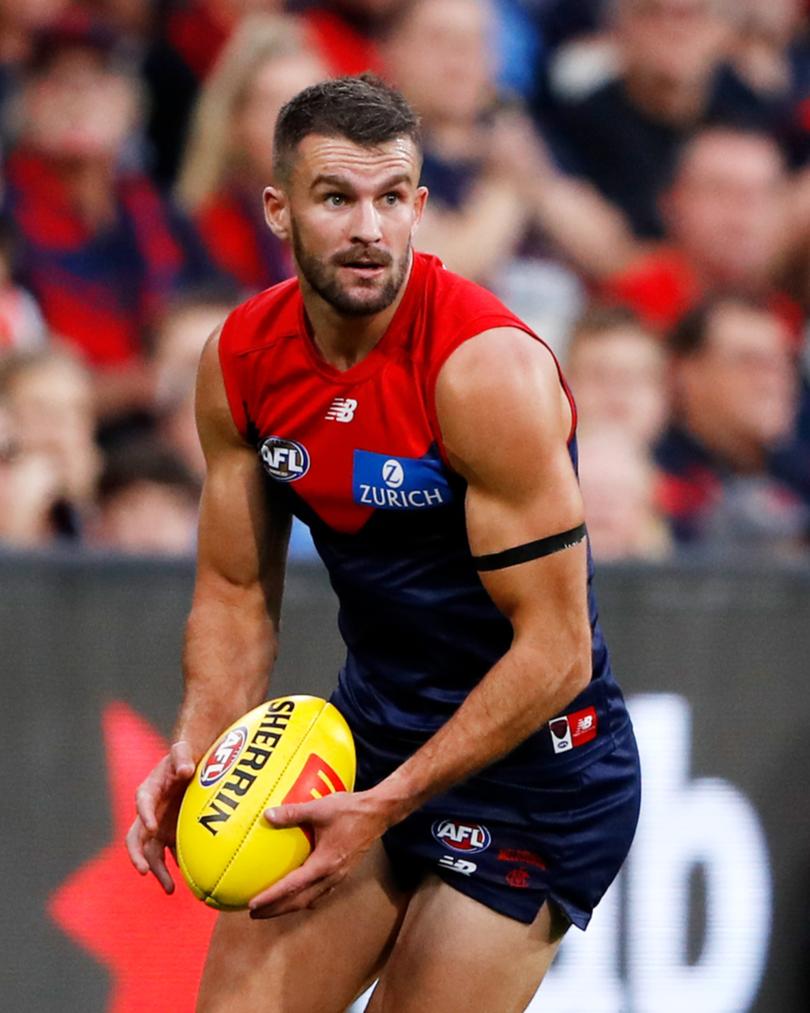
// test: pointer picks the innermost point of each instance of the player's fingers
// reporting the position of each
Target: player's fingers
(155, 854)
(291, 815)
(182, 760)
(299, 901)
(134, 842)
(145, 804)
(291, 885)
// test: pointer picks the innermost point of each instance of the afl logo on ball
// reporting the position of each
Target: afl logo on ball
(467, 837)
(284, 460)
(223, 756)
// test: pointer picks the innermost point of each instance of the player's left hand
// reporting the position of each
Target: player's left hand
(345, 825)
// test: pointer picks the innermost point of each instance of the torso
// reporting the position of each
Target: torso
(357, 455)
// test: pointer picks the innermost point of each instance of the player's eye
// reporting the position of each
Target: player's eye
(391, 199)
(335, 200)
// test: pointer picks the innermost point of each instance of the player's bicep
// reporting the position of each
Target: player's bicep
(243, 532)
(505, 423)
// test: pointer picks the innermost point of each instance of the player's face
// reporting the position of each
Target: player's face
(350, 213)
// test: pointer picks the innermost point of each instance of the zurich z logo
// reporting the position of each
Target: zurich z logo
(399, 483)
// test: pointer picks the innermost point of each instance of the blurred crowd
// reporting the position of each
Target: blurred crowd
(630, 176)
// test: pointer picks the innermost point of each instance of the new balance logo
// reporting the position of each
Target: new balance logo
(342, 409)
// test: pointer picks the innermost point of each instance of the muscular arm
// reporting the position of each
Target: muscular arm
(232, 630)
(505, 422)
(231, 637)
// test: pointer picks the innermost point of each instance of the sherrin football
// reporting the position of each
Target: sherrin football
(291, 749)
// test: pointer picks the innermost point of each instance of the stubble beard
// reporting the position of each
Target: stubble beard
(322, 278)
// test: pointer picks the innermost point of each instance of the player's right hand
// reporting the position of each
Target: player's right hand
(157, 802)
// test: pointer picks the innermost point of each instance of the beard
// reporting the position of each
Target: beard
(322, 277)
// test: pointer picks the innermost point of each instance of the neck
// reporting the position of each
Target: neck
(741, 454)
(344, 341)
(666, 100)
(90, 187)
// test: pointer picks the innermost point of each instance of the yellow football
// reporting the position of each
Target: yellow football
(292, 749)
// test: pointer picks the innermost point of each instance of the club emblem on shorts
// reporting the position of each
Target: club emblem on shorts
(466, 837)
(521, 856)
(461, 865)
(518, 878)
(572, 730)
(223, 756)
(284, 460)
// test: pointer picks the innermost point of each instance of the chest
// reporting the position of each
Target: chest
(351, 446)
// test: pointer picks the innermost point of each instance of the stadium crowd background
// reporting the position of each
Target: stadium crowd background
(631, 176)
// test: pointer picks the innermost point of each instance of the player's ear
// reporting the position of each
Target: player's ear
(419, 202)
(277, 212)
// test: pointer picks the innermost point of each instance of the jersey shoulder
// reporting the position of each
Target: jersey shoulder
(262, 319)
(454, 310)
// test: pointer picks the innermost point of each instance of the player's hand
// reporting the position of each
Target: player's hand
(345, 825)
(158, 802)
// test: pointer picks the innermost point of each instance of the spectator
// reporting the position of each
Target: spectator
(19, 24)
(21, 323)
(618, 373)
(28, 491)
(178, 343)
(102, 252)
(47, 398)
(725, 213)
(147, 503)
(499, 212)
(619, 483)
(626, 135)
(228, 161)
(730, 480)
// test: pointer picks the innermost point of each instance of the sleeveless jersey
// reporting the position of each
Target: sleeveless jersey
(357, 456)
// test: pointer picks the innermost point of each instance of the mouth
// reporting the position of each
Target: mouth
(363, 268)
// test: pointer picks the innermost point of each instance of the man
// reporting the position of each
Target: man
(727, 217)
(423, 434)
(735, 474)
(626, 135)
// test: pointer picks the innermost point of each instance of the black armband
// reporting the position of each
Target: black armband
(531, 550)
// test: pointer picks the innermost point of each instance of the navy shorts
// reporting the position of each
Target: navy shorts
(513, 844)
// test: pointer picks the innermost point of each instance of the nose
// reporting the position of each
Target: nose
(365, 223)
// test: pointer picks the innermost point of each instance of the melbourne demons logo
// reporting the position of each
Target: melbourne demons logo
(284, 460)
(223, 756)
(466, 837)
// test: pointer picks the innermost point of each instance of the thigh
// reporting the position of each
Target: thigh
(455, 955)
(313, 961)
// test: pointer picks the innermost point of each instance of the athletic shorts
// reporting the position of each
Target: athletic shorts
(513, 844)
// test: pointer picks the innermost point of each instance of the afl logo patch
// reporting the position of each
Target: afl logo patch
(284, 460)
(466, 837)
(223, 756)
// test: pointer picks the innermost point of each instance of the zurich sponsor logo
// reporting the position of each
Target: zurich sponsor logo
(466, 837)
(284, 460)
(399, 483)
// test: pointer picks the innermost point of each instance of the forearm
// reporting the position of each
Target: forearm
(230, 648)
(585, 226)
(516, 697)
(479, 237)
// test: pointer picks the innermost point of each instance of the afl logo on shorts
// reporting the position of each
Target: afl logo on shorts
(466, 837)
(284, 460)
(223, 756)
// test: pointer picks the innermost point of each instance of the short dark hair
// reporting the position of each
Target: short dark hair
(362, 108)
(689, 335)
